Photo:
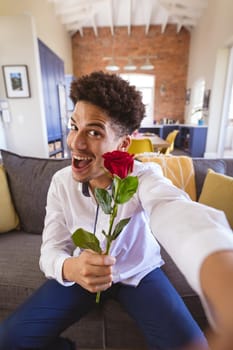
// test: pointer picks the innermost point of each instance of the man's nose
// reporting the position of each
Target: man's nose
(79, 141)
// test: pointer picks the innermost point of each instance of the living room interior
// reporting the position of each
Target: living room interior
(190, 57)
(187, 67)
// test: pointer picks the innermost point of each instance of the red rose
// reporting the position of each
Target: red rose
(118, 163)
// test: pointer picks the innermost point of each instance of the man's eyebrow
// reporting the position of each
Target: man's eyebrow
(99, 125)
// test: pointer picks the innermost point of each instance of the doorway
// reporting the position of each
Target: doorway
(228, 110)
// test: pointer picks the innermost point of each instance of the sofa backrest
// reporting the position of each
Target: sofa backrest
(29, 179)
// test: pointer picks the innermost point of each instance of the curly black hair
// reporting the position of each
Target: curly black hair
(120, 100)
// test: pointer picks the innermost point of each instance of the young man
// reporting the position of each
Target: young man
(107, 110)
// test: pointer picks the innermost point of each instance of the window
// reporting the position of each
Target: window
(230, 114)
(146, 84)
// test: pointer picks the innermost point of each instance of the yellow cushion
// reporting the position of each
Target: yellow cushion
(179, 169)
(8, 217)
(217, 192)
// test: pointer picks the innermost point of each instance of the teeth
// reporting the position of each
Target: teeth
(82, 158)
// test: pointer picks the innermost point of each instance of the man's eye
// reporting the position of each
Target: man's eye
(94, 133)
(73, 127)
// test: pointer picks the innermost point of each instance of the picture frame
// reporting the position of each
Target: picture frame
(16, 81)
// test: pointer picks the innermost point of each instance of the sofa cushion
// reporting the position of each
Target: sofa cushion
(8, 217)
(179, 169)
(201, 167)
(29, 179)
(217, 192)
(19, 268)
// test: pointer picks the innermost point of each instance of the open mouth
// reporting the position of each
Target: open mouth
(81, 162)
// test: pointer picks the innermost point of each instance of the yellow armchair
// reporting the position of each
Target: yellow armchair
(171, 139)
(140, 145)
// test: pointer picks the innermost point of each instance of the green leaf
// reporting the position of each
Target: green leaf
(126, 189)
(104, 199)
(119, 227)
(86, 240)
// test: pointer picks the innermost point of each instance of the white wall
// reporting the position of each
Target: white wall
(48, 26)
(26, 133)
(2, 136)
(209, 51)
(21, 24)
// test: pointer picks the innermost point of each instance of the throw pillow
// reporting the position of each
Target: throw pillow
(8, 217)
(201, 169)
(179, 169)
(217, 192)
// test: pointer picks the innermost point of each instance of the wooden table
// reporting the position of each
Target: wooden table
(158, 142)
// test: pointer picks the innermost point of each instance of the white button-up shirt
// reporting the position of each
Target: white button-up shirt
(159, 211)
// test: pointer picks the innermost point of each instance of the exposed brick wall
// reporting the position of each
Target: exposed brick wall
(170, 66)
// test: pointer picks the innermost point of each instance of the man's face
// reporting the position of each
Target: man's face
(90, 136)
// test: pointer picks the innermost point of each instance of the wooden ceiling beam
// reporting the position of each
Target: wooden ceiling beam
(77, 14)
(165, 23)
(202, 4)
(129, 9)
(110, 11)
(147, 15)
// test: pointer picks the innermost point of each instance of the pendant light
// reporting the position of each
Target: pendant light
(147, 65)
(130, 66)
(112, 66)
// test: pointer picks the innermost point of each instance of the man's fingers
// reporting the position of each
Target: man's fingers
(94, 258)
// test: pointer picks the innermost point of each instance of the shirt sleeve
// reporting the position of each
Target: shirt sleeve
(57, 244)
(188, 231)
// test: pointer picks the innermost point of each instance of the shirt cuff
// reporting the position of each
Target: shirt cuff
(59, 268)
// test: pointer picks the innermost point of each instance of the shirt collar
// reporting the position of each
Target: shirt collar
(85, 189)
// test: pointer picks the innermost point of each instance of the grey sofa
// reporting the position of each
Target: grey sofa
(108, 326)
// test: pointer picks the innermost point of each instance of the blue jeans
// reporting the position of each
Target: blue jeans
(154, 304)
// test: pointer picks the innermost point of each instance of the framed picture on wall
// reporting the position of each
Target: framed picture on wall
(16, 81)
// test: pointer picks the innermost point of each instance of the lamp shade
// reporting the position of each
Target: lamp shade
(130, 65)
(147, 65)
(112, 66)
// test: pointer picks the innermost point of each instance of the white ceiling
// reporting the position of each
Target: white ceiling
(79, 14)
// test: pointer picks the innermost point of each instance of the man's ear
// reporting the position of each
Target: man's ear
(123, 146)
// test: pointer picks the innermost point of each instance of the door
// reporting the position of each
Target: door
(52, 70)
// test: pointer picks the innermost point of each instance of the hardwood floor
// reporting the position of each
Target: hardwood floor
(228, 153)
(179, 152)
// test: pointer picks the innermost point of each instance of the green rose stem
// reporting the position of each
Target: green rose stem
(112, 218)
(109, 235)
(109, 240)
